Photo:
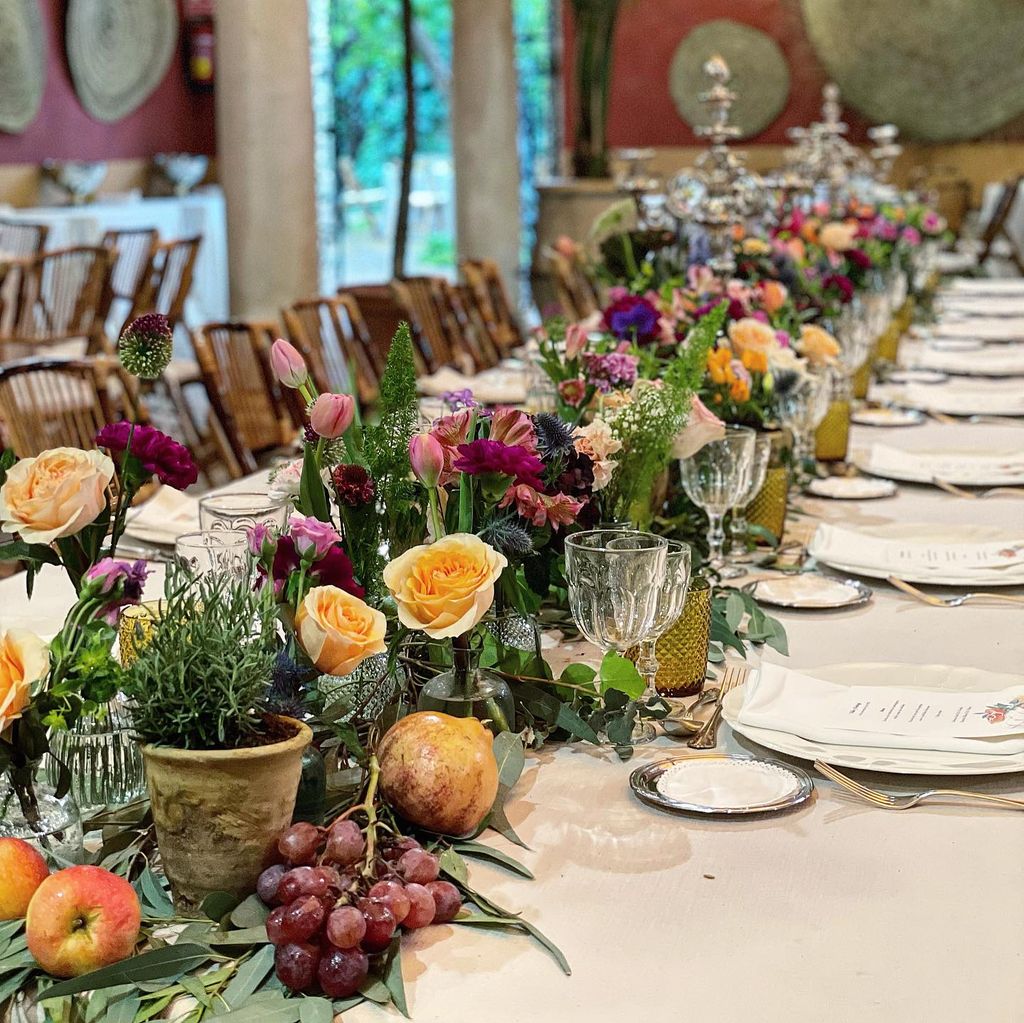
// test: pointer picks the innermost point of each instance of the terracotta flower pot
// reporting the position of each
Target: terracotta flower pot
(218, 812)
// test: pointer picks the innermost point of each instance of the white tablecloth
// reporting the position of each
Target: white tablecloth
(835, 913)
(202, 212)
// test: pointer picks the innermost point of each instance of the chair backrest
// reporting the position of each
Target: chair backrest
(170, 280)
(436, 319)
(577, 294)
(64, 294)
(19, 238)
(475, 336)
(331, 334)
(132, 267)
(996, 225)
(234, 359)
(483, 278)
(47, 403)
(382, 313)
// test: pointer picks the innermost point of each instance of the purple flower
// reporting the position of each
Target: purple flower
(312, 538)
(606, 372)
(110, 572)
(784, 339)
(456, 400)
(911, 236)
(491, 457)
(156, 453)
(633, 318)
(884, 229)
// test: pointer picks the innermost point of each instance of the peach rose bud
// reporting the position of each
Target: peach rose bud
(427, 458)
(288, 365)
(332, 414)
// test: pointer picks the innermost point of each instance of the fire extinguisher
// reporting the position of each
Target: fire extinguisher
(198, 43)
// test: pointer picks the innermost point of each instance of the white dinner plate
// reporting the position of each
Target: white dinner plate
(810, 591)
(851, 488)
(720, 784)
(887, 417)
(960, 471)
(938, 677)
(922, 532)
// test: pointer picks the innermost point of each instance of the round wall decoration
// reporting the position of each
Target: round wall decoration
(22, 63)
(118, 51)
(942, 71)
(760, 77)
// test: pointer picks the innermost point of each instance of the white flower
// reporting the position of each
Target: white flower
(284, 482)
(597, 441)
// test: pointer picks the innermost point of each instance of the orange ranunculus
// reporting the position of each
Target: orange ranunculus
(809, 229)
(773, 295)
(756, 362)
(739, 390)
(750, 335)
(839, 236)
(446, 587)
(817, 345)
(718, 365)
(55, 494)
(796, 249)
(338, 631)
(24, 660)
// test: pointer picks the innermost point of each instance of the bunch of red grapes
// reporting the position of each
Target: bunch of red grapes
(330, 914)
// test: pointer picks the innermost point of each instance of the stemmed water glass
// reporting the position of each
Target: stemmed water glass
(758, 472)
(214, 552)
(715, 478)
(801, 407)
(615, 578)
(237, 510)
(670, 602)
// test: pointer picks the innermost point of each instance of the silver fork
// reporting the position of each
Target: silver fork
(888, 802)
(735, 675)
(927, 598)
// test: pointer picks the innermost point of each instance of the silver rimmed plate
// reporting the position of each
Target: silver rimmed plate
(887, 417)
(809, 591)
(720, 784)
(851, 488)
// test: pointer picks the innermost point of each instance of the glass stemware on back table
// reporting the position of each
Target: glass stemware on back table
(715, 478)
(615, 579)
(801, 408)
(758, 472)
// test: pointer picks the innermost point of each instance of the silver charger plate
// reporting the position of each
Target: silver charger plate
(887, 417)
(809, 591)
(720, 785)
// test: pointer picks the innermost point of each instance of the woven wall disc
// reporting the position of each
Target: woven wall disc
(118, 51)
(22, 64)
(942, 70)
(760, 76)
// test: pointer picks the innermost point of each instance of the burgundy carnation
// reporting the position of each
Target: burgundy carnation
(353, 485)
(481, 457)
(159, 455)
(841, 283)
(333, 569)
(859, 258)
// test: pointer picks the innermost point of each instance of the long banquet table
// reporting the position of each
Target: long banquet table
(836, 911)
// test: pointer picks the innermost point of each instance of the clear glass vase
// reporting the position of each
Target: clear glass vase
(30, 809)
(467, 690)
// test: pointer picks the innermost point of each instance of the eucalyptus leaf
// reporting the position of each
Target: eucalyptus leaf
(485, 852)
(12, 984)
(393, 980)
(315, 1010)
(376, 990)
(155, 897)
(244, 936)
(511, 757)
(123, 1011)
(248, 977)
(497, 820)
(503, 923)
(454, 865)
(217, 905)
(195, 988)
(157, 964)
(735, 608)
(250, 912)
(281, 1010)
(577, 728)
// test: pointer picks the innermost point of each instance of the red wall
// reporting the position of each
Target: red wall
(641, 112)
(173, 119)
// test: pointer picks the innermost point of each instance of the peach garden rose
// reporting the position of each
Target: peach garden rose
(445, 588)
(24, 660)
(55, 494)
(749, 334)
(338, 631)
(817, 345)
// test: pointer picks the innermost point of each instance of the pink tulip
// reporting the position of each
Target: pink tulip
(332, 414)
(288, 364)
(427, 458)
(575, 340)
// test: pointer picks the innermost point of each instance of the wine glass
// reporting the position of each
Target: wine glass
(801, 406)
(615, 578)
(670, 603)
(758, 472)
(236, 510)
(714, 479)
(214, 552)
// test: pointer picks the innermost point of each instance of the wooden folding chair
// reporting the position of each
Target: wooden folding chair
(254, 412)
(47, 403)
(439, 325)
(132, 269)
(63, 296)
(332, 335)
(996, 228)
(19, 238)
(382, 313)
(577, 293)
(483, 279)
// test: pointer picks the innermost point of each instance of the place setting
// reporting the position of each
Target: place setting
(961, 467)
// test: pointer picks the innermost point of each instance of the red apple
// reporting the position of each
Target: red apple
(80, 919)
(22, 870)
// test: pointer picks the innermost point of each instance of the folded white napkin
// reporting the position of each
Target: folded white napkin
(988, 468)
(1007, 328)
(992, 360)
(963, 398)
(975, 561)
(956, 306)
(167, 515)
(986, 285)
(498, 386)
(895, 716)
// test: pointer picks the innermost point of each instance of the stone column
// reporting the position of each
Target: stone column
(484, 124)
(265, 152)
